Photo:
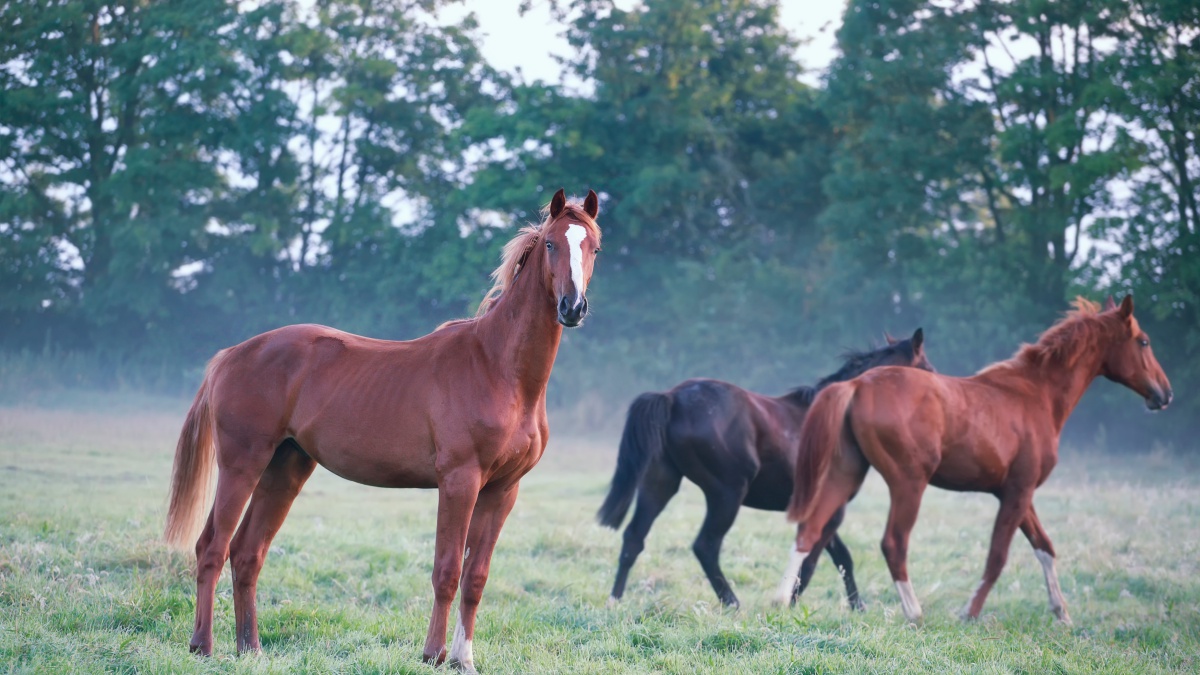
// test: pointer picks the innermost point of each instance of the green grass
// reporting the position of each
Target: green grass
(85, 585)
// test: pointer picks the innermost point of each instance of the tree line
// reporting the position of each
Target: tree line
(176, 176)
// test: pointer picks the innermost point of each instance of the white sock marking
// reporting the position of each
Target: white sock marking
(1058, 604)
(965, 612)
(908, 601)
(575, 236)
(460, 647)
(790, 577)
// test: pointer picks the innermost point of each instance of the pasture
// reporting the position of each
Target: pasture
(87, 586)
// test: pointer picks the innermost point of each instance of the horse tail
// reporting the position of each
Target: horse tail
(820, 439)
(193, 470)
(641, 443)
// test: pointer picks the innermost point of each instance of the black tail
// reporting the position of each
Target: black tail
(641, 443)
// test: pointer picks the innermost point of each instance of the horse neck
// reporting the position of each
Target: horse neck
(1063, 385)
(520, 332)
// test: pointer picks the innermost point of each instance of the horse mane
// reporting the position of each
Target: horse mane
(854, 363)
(1060, 343)
(513, 252)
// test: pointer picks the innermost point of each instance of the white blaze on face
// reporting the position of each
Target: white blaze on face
(575, 236)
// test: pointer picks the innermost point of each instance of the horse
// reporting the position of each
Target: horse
(739, 448)
(995, 432)
(462, 409)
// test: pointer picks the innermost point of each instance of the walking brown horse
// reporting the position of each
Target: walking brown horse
(462, 409)
(994, 432)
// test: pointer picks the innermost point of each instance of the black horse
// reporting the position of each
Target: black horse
(739, 447)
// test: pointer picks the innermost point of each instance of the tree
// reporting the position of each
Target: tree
(97, 97)
(977, 144)
(1156, 231)
(708, 151)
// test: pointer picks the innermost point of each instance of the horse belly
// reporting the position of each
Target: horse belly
(365, 458)
(970, 470)
(770, 491)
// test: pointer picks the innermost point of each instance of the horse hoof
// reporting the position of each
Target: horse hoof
(468, 668)
(858, 605)
(201, 648)
(1061, 615)
(613, 602)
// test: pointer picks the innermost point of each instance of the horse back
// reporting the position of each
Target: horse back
(963, 433)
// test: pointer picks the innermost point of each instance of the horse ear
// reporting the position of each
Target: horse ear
(591, 205)
(1127, 307)
(558, 203)
(888, 338)
(1109, 304)
(918, 339)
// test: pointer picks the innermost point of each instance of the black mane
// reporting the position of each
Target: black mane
(854, 363)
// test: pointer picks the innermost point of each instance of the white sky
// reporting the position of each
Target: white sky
(512, 41)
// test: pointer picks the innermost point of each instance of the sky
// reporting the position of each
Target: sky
(513, 41)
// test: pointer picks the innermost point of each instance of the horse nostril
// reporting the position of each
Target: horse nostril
(563, 305)
(583, 307)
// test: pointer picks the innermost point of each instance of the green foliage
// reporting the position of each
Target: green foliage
(977, 143)
(177, 176)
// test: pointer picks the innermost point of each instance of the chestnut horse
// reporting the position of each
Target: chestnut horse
(996, 432)
(462, 409)
(739, 447)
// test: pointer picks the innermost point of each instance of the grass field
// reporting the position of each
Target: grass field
(86, 586)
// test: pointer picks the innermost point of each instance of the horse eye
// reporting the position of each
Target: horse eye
(1144, 342)
(597, 250)
(549, 246)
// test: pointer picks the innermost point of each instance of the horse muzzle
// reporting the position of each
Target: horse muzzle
(570, 314)
(1159, 399)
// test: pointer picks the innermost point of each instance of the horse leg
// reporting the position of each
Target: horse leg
(1013, 508)
(234, 486)
(658, 486)
(840, 555)
(906, 502)
(491, 510)
(840, 485)
(1044, 550)
(457, 494)
(277, 489)
(845, 564)
(723, 504)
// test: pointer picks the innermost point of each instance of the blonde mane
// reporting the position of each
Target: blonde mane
(1060, 342)
(514, 251)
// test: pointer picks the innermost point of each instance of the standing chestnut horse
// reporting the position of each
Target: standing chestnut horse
(740, 448)
(462, 409)
(994, 432)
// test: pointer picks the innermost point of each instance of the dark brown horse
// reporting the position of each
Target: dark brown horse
(994, 432)
(739, 447)
(462, 409)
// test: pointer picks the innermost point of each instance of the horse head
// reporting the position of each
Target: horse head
(570, 240)
(1130, 361)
